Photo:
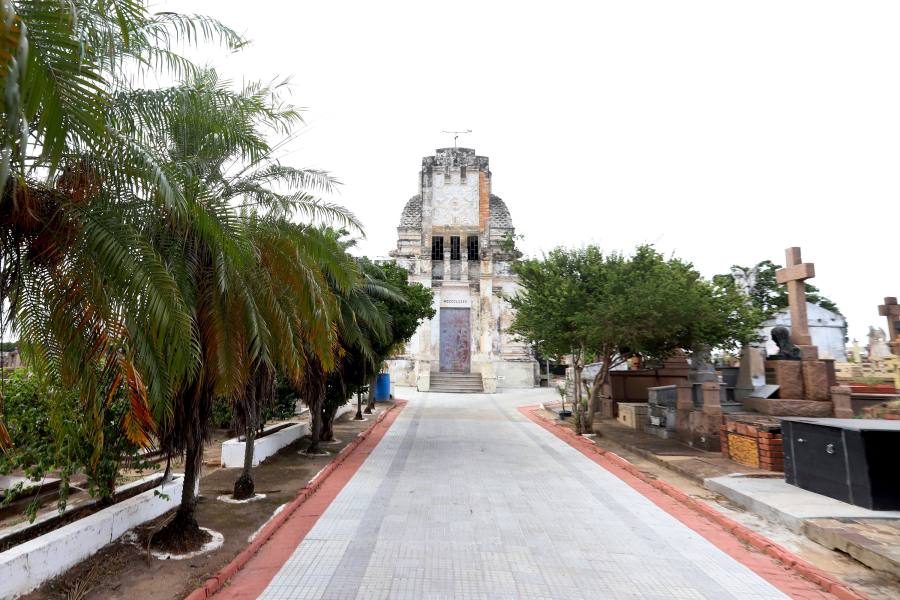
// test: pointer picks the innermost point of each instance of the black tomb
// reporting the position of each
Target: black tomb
(853, 460)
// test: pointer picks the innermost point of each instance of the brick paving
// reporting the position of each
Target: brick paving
(466, 498)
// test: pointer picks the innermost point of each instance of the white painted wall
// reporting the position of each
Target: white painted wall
(28, 565)
(826, 328)
(263, 448)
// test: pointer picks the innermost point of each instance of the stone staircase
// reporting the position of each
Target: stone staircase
(456, 383)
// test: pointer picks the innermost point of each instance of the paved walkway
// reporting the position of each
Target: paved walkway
(466, 498)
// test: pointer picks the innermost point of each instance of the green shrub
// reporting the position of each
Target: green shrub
(285, 400)
(37, 448)
(221, 414)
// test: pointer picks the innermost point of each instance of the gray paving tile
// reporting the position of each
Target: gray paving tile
(464, 498)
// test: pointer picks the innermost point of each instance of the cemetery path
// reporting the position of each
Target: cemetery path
(464, 497)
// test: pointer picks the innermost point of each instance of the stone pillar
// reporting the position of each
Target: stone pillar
(685, 395)
(712, 404)
(840, 395)
(745, 384)
(464, 260)
(448, 272)
(423, 375)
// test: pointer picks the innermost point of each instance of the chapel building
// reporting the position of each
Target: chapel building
(450, 238)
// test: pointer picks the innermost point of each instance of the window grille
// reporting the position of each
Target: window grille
(454, 247)
(437, 248)
(472, 244)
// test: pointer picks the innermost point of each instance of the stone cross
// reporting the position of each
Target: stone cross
(891, 310)
(794, 275)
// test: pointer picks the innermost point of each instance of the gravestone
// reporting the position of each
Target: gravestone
(804, 380)
(662, 403)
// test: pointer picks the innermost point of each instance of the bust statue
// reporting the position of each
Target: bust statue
(786, 349)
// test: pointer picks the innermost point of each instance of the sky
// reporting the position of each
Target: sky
(724, 132)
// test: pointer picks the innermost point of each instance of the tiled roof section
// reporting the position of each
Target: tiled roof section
(412, 213)
(500, 214)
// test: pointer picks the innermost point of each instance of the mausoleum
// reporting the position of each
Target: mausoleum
(450, 241)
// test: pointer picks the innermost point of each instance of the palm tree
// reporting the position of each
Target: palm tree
(292, 308)
(89, 296)
(362, 321)
(245, 271)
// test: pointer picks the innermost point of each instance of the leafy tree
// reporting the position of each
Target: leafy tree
(610, 307)
(770, 296)
(405, 318)
(33, 447)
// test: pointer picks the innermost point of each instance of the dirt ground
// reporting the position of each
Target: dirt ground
(122, 570)
(838, 564)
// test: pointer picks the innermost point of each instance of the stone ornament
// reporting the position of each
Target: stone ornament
(786, 349)
(455, 200)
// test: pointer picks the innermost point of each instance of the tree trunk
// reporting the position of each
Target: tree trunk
(328, 413)
(243, 487)
(370, 403)
(358, 416)
(578, 408)
(597, 387)
(183, 534)
(315, 424)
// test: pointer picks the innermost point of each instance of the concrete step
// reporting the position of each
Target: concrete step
(456, 383)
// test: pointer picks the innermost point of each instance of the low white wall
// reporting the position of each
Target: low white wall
(263, 448)
(515, 374)
(402, 371)
(28, 565)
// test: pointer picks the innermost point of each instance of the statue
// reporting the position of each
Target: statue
(745, 281)
(878, 343)
(752, 367)
(786, 349)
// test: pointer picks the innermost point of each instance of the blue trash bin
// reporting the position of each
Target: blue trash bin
(383, 388)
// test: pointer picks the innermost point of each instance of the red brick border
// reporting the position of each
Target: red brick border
(790, 560)
(212, 585)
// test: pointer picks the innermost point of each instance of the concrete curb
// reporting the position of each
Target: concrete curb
(218, 579)
(788, 558)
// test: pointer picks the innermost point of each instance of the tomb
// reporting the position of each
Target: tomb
(451, 238)
(807, 386)
(753, 441)
(852, 460)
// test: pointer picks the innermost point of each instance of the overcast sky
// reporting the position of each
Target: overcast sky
(723, 131)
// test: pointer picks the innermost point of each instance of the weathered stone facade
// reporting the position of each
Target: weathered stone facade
(450, 238)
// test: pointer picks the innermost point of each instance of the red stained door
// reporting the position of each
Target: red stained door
(455, 345)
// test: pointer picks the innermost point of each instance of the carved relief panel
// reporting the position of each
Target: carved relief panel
(454, 201)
